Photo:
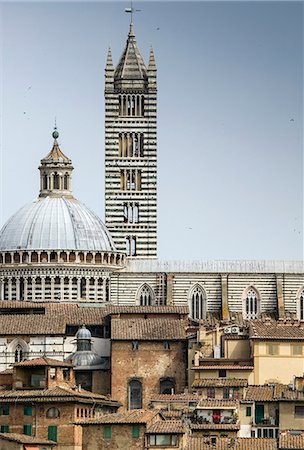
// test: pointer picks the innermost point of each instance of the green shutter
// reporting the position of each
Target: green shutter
(248, 411)
(107, 431)
(27, 429)
(5, 410)
(28, 410)
(135, 431)
(52, 433)
(4, 429)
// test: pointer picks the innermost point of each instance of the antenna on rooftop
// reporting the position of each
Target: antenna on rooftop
(131, 11)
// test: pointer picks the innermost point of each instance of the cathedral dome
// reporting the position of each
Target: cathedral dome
(53, 223)
(56, 220)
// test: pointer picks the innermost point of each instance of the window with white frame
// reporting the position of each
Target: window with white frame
(145, 296)
(198, 303)
(251, 305)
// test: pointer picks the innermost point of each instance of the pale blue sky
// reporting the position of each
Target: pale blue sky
(230, 115)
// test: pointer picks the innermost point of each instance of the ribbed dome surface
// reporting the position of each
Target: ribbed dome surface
(55, 223)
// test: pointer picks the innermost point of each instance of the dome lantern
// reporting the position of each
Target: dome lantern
(56, 172)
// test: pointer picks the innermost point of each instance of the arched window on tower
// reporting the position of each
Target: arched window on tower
(301, 305)
(145, 296)
(66, 182)
(135, 394)
(45, 181)
(56, 181)
(251, 304)
(197, 303)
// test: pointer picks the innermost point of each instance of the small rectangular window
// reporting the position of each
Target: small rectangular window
(297, 350)
(166, 345)
(222, 373)
(226, 392)
(135, 345)
(28, 410)
(135, 431)
(273, 349)
(211, 392)
(4, 410)
(299, 411)
(107, 431)
(4, 429)
(248, 411)
(52, 433)
(27, 429)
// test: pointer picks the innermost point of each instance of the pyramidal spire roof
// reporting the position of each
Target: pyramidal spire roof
(131, 64)
(56, 154)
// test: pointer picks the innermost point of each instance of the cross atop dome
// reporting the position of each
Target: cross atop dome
(56, 172)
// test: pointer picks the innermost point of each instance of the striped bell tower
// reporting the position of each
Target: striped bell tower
(130, 151)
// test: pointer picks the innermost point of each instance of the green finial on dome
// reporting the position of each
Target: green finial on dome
(55, 133)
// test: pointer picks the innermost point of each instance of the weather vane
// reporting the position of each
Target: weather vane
(131, 11)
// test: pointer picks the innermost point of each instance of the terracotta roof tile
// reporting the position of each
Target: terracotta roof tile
(42, 322)
(166, 426)
(255, 444)
(133, 416)
(56, 393)
(215, 426)
(24, 439)
(206, 403)
(43, 362)
(207, 443)
(175, 397)
(291, 441)
(219, 382)
(259, 393)
(156, 309)
(276, 330)
(224, 366)
(172, 414)
(147, 329)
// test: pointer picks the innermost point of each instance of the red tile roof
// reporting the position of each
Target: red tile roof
(206, 403)
(49, 362)
(276, 330)
(206, 443)
(175, 398)
(155, 309)
(291, 441)
(24, 439)
(219, 382)
(147, 329)
(166, 426)
(223, 366)
(259, 393)
(56, 394)
(215, 426)
(13, 321)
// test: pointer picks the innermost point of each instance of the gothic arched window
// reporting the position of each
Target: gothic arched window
(198, 303)
(145, 296)
(19, 354)
(251, 304)
(301, 305)
(135, 394)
